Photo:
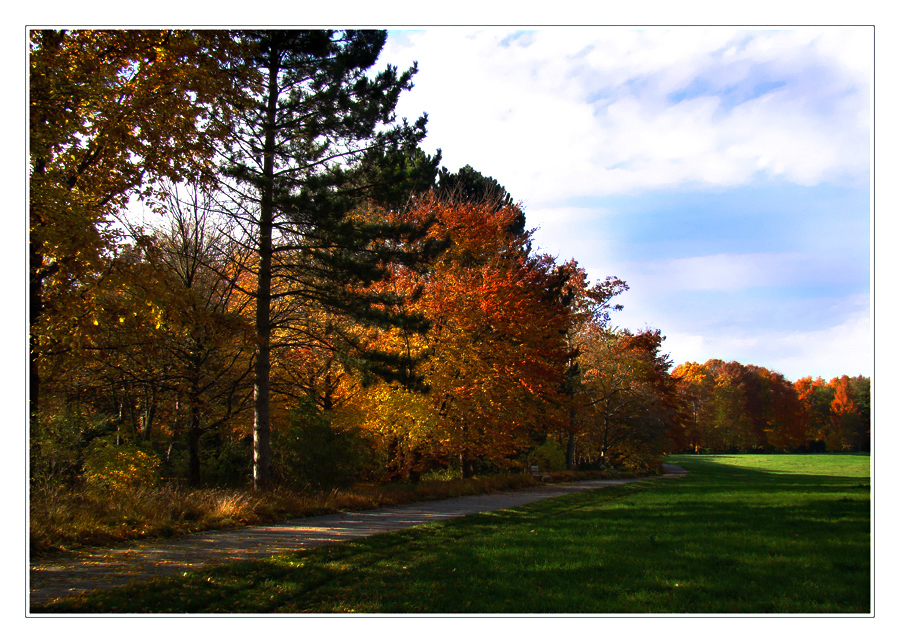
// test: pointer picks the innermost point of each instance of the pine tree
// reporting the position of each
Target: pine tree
(300, 177)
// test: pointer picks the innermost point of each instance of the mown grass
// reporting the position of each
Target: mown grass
(741, 534)
(66, 519)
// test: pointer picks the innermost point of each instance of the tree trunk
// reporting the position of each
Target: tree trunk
(327, 396)
(570, 452)
(261, 452)
(36, 277)
(466, 465)
(194, 430)
(148, 415)
(34, 376)
(36, 308)
(194, 448)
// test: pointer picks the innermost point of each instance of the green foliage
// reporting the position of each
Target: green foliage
(228, 463)
(297, 162)
(549, 457)
(119, 468)
(225, 461)
(442, 475)
(311, 451)
(392, 177)
(58, 440)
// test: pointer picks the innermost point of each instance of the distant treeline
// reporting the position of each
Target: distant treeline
(736, 408)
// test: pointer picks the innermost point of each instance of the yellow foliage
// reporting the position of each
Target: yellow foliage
(119, 468)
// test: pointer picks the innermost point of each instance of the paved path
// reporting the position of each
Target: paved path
(64, 576)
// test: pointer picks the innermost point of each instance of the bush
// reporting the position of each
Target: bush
(441, 475)
(640, 463)
(549, 457)
(312, 452)
(58, 440)
(119, 468)
(228, 463)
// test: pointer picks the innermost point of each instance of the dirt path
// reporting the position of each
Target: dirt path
(63, 576)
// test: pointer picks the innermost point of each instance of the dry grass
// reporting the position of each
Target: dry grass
(66, 519)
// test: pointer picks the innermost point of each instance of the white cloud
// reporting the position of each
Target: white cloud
(582, 111)
(844, 349)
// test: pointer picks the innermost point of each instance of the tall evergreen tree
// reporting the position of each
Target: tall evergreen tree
(297, 162)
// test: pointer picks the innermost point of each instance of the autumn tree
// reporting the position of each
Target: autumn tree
(815, 409)
(206, 335)
(630, 399)
(588, 310)
(783, 427)
(845, 417)
(110, 112)
(497, 342)
(835, 415)
(695, 386)
(861, 392)
(167, 356)
(468, 185)
(580, 302)
(737, 407)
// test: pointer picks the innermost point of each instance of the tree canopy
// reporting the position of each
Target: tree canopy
(318, 301)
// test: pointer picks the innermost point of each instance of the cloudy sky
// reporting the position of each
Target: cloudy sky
(723, 173)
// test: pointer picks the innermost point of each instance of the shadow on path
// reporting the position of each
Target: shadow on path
(65, 576)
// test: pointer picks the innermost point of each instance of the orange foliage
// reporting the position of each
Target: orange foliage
(495, 352)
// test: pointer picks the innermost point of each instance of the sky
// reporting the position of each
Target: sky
(723, 173)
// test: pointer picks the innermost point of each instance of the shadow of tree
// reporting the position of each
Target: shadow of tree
(726, 539)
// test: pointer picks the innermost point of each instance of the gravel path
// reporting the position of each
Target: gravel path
(64, 576)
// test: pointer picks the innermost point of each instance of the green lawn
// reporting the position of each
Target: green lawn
(741, 534)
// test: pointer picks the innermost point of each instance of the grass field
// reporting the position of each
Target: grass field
(741, 534)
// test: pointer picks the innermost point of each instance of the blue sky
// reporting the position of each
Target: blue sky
(723, 173)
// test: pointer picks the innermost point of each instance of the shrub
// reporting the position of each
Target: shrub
(119, 468)
(58, 439)
(640, 463)
(311, 451)
(549, 457)
(228, 463)
(441, 475)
